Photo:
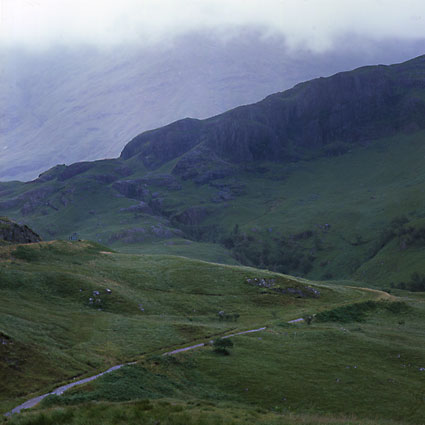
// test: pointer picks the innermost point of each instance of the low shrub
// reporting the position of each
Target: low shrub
(357, 312)
(221, 346)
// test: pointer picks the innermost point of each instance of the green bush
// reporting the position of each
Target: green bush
(221, 346)
(416, 284)
(357, 312)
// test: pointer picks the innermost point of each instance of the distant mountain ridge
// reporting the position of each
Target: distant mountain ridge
(347, 108)
(80, 104)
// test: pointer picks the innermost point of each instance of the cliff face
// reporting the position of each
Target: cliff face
(347, 108)
(15, 233)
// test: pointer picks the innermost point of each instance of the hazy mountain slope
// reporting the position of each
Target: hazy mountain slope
(68, 105)
(347, 108)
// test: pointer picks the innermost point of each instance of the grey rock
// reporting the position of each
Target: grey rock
(141, 207)
(16, 233)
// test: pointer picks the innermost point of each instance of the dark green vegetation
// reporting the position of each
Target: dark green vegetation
(416, 283)
(359, 311)
(172, 412)
(222, 346)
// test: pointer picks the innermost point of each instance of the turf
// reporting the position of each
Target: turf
(55, 327)
(366, 371)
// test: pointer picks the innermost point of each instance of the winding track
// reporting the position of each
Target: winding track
(58, 391)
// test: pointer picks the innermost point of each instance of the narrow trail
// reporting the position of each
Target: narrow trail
(181, 350)
(60, 390)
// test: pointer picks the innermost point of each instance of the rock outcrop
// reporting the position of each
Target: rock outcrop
(16, 233)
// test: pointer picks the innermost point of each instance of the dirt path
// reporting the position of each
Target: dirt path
(58, 391)
(296, 320)
(181, 350)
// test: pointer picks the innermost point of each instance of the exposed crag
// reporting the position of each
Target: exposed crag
(16, 233)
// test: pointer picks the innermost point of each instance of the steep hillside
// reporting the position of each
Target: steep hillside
(324, 181)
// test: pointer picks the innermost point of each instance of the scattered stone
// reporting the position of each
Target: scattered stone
(108, 291)
(141, 207)
(301, 292)
(96, 293)
(222, 196)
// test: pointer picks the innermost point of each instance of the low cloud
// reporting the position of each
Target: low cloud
(315, 24)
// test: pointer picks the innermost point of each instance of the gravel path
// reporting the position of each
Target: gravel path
(62, 389)
(58, 391)
(296, 320)
(180, 350)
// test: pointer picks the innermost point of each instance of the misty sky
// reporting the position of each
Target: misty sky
(315, 24)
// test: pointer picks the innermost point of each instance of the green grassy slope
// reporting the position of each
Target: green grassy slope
(355, 372)
(357, 194)
(369, 369)
(175, 412)
(51, 331)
